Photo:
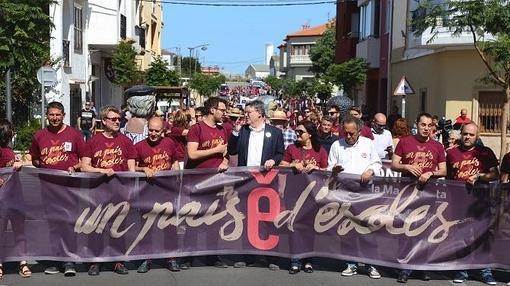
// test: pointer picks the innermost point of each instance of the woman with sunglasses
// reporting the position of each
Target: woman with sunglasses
(305, 156)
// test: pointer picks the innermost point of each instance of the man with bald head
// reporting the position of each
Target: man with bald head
(156, 153)
(382, 137)
(472, 163)
(462, 118)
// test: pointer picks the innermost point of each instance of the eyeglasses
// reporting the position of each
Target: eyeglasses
(113, 119)
(300, 132)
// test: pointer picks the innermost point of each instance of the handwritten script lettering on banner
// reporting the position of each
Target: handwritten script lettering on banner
(331, 215)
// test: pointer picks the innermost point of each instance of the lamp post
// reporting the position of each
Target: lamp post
(203, 47)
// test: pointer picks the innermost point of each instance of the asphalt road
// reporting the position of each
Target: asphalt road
(206, 275)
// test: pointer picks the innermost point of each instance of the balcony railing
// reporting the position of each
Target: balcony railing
(490, 118)
(300, 59)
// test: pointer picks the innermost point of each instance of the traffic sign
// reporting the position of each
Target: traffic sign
(404, 87)
(46, 76)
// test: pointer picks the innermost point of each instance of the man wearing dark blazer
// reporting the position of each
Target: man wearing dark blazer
(256, 143)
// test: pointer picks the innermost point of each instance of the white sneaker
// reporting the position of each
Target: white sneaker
(350, 270)
(373, 273)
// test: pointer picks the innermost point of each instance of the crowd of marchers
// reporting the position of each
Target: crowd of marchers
(220, 135)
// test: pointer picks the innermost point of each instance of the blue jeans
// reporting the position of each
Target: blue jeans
(87, 134)
(483, 272)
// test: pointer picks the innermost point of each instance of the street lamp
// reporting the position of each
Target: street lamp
(203, 47)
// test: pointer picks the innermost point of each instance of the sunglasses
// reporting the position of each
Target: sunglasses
(300, 132)
(113, 119)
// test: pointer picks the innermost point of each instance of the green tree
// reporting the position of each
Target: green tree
(321, 89)
(25, 28)
(348, 75)
(275, 83)
(488, 22)
(206, 85)
(158, 74)
(322, 53)
(293, 89)
(189, 66)
(124, 64)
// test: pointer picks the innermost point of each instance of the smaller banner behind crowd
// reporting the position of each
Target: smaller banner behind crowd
(444, 225)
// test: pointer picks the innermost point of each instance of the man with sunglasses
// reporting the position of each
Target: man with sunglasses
(86, 121)
(334, 112)
(57, 147)
(107, 153)
(382, 137)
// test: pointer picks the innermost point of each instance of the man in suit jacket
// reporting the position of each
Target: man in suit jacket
(256, 143)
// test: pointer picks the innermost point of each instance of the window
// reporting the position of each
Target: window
(490, 110)
(123, 25)
(65, 53)
(78, 29)
(369, 20)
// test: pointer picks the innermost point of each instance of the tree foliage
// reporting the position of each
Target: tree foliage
(322, 53)
(320, 89)
(348, 75)
(124, 64)
(206, 85)
(158, 74)
(189, 66)
(488, 23)
(293, 89)
(275, 83)
(24, 47)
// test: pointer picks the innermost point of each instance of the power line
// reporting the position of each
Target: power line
(244, 3)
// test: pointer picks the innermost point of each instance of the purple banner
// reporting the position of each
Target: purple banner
(445, 225)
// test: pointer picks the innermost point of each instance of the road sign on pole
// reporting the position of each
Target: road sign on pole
(403, 88)
(46, 76)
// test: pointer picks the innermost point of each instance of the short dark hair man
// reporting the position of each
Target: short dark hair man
(207, 141)
(326, 137)
(86, 121)
(472, 163)
(58, 147)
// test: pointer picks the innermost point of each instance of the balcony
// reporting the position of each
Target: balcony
(369, 49)
(300, 60)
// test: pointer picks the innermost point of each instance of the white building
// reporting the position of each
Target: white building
(110, 22)
(257, 71)
(68, 43)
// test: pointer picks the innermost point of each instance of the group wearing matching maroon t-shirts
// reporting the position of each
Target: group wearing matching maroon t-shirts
(462, 164)
(158, 156)
(207, 138)
(7, 157)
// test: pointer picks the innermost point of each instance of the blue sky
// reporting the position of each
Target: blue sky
(236, 35)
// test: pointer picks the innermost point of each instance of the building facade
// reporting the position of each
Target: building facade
(85, 35)
(68, 44)
(363, 30)
(295, 62)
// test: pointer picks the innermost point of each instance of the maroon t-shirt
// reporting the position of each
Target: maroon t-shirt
(158, 156)
(463, 164)
(57, 150)
(228, 125)
(110, 153)
(505, 164)
(295, 154)
(365, 132)
(426, 155)
(207, 138)
(7, 157)
(180, 142)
